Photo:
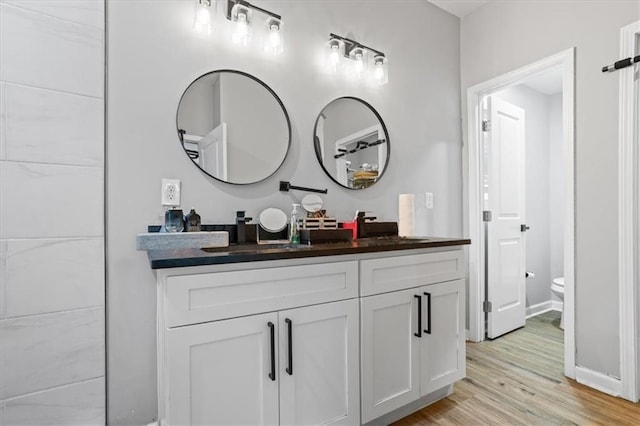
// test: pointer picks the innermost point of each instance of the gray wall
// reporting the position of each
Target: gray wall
(154, 54)
(537, 172)
(52, 316)
(503, 36)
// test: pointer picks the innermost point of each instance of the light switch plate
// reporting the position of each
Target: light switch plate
(428, 200)
(170, 192)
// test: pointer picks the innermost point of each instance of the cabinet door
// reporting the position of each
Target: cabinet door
(319, 374)
(218, 373)
(390, 352)
(442, 355)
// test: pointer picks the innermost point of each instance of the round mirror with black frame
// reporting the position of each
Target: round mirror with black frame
(233, 127)
(351, 143)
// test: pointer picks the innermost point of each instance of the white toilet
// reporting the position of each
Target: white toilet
(558, 289)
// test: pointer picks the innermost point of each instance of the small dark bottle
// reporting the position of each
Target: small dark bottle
(192, 220)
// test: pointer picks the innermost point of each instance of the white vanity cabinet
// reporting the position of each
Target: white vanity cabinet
(412, 337)
(340, 340)
(257, 365)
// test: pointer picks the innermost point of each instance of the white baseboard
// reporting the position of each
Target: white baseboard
(599, 381)
(541, 308)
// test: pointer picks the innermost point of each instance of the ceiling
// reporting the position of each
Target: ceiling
(459, 8)
(549, 83)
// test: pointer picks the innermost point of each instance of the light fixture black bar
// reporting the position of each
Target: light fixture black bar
(231, 3)
(286, 186)
(353, 44)
(623, 63)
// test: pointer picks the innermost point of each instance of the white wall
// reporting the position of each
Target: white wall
(154, 54)
(537, 172)
(52, 317)
(503, 36)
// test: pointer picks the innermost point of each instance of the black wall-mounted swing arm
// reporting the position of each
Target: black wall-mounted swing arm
(286, 186)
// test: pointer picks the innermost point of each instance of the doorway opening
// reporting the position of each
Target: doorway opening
(508, 242)
(523, 189)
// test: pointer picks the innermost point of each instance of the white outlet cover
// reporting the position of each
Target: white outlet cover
(170, 195)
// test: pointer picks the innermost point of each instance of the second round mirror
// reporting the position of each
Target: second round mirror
(351, 143)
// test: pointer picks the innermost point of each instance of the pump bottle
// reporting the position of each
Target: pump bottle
(294, 231)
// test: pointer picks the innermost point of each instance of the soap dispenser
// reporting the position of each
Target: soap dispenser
(294, 231)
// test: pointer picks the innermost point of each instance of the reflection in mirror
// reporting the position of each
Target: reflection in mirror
(233, 126)
(351, 143)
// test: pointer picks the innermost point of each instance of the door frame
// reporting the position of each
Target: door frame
(472, 180)
(628, 211)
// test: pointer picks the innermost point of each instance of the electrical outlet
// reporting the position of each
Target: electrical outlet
(428, 200)
(170, 192)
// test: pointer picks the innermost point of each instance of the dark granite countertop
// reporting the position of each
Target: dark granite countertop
(161, 259)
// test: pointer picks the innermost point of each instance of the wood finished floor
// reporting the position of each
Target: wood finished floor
(518, 380)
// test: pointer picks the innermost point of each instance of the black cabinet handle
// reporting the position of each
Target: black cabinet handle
(419, 333)
(290, 335)
(428, 330)
(272, 374)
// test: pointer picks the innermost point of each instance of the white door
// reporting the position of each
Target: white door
(390, 351)
(442, 354)
(506, 201)
(319, 368)
(224, 372)
(213, 152)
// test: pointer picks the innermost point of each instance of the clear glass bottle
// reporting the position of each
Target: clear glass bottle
(174, 220)
(294, 229)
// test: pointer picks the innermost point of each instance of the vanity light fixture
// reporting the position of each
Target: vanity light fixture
(363, 61)
(204, 11)
(240, 12)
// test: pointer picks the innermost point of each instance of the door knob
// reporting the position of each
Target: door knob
(524, 228)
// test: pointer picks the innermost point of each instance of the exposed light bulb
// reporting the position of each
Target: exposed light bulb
(358, 66)
(241, 32)
(380, 70)
(273, 41)
(202, 23)
(334, 57)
